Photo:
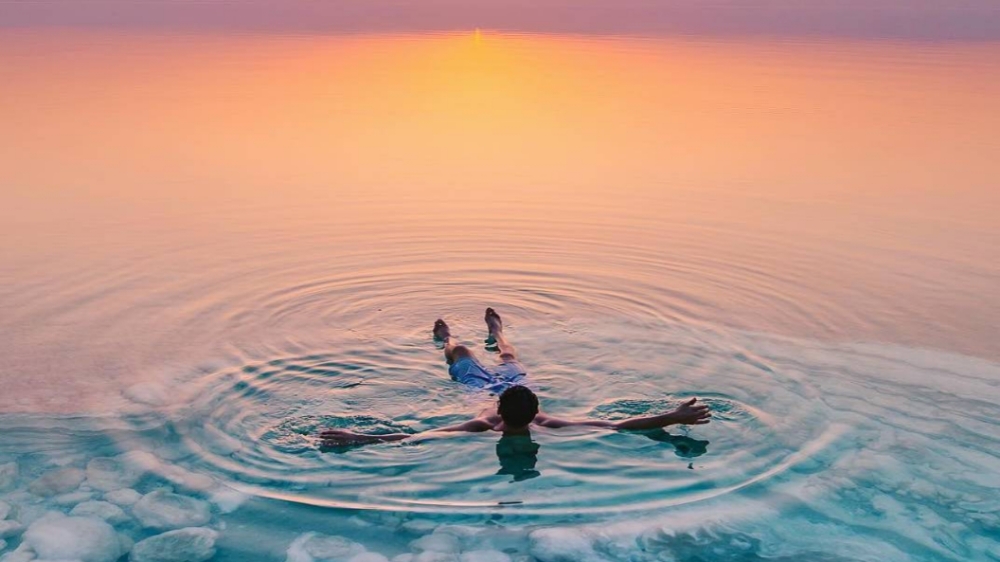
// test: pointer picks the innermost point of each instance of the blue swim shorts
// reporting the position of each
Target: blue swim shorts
(468, 370)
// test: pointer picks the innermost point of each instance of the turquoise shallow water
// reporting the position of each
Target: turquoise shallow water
(173, 340)
(817, 450)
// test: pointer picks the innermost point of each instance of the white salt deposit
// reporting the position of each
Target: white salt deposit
(418, 526)
(103, 510)
(10, 529)
(563, 545)
(144, 461)
(72, 498)
(124, 497)
(191, 544)
(484, 556)
(368, 557)
(314, 547)
(433, 556)
(59, 481)
(165, 510)
(437, 542)
(108, 474)
(87, 539)
(227, 499)
(22, 553)
(8, 476)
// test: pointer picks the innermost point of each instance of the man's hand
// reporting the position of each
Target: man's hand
(688, 413)
(691, 413)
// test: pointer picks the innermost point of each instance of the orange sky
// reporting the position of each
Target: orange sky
(462, 113)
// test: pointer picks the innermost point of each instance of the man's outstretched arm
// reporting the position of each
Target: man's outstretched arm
(342, 437)
(688, 413)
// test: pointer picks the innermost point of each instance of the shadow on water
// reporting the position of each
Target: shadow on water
(518, 455)
(684, 446)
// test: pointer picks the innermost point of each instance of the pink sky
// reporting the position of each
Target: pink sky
(894, 19)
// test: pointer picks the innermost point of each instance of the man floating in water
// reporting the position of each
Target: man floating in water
(517, 409)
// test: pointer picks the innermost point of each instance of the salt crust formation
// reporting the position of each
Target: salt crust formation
(191, 544)
(71, 514)
(444, 544)
(60, 537)
(166, 510)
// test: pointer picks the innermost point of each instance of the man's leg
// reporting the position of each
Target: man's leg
(495, 325)
(452, 351)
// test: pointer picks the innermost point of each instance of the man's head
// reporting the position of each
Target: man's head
(518, 406)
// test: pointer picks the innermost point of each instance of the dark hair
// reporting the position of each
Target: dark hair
(518, 406)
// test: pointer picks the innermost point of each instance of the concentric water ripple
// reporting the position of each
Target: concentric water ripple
(254, 427)
(801, 429)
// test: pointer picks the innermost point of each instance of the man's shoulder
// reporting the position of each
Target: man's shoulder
(541, 418)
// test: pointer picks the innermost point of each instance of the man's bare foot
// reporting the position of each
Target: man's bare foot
(493, 322)
(441, 330)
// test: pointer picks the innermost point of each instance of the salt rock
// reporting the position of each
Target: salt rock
(562, 545)
(187, 480)
(368, 557)
(166, 510)
(5, 510)
(436, 542)
(139, 461)
(8, 476)
(191, 544)
(434, 556)
(22, 554)
(419, 526)
(107, 474)
(72, 498)
(3, 544)
(144, 461)
(57, 482)
(20, 496)
(10, 529)
(484, 556)
(313, 547)
(124, 497)
(28, 513)
(227, 499)
(87, 539)
(460, 531)
(103, 510)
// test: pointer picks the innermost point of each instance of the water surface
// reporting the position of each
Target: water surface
(214, 244)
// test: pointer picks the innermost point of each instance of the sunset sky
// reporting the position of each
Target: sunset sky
(914, 19)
